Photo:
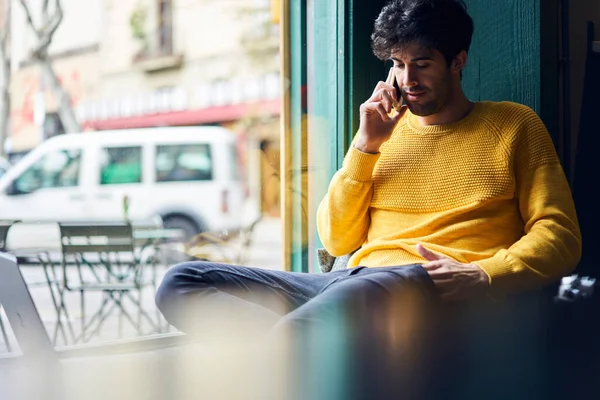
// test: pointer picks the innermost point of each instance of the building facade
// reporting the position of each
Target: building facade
(140, 63)
(145, 63)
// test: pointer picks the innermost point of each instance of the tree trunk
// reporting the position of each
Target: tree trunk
(65, 108)
(4, 101)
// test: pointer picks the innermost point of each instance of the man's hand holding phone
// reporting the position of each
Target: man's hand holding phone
(379, 116)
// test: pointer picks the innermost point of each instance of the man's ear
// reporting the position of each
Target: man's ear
(459, 61)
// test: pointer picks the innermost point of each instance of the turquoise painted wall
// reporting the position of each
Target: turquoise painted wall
(504, 62)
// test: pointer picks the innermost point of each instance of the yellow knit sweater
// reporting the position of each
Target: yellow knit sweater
(487, 190)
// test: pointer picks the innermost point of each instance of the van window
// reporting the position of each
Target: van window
(54, 170)
(121, 165)
(183, 162)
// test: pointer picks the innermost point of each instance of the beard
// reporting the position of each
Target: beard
(433, 102)
(424, 109)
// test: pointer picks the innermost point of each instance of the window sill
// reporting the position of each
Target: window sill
(158, 62)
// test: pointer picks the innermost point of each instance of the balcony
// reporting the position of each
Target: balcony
(157, 61)
(157, 53)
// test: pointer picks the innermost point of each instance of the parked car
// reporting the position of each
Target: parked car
(186, 175)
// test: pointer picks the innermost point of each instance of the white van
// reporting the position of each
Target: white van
(187, 175)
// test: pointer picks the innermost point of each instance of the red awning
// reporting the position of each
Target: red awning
(190, 117)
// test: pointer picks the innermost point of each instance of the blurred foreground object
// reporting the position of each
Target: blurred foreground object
(574, 287)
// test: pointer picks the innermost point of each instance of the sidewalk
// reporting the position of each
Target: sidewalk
(267, 247)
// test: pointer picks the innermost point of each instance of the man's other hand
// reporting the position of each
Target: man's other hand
(454, 280)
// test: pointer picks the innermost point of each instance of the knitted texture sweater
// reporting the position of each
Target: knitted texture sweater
(488, 189)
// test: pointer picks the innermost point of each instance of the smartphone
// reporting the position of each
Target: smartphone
(394, 82)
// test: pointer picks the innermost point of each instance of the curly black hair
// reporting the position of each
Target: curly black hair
(443, 25)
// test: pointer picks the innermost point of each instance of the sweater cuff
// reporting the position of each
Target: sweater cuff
(500, 271)
(359, 166)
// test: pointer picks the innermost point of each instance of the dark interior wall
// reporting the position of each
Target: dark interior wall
(581, 11)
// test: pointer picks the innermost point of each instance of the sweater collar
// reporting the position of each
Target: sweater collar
(416, 127)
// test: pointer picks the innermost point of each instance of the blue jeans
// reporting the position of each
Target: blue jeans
(364, 325)
(371, 333)
(279, 296)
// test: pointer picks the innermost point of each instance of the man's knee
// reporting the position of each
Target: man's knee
(174, 283)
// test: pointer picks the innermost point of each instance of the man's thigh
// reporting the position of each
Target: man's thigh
(370, 303)
(195, 280)
(379, 287)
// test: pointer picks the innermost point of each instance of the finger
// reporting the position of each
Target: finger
(445, 262)
(445, 284)
(391, 77)
(440, 262)
(374, 107)
(433, 265)
(387, 101)
(379, 108)
(428, 254)
(399, 113)
(400, 101)
(376, 96)
(447, 272)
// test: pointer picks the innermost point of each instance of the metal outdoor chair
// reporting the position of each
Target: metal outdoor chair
(35, 354)
(4, 228)
(5, 337)
(104, 260)
(34, 369)
(42, 257)
(223, 247)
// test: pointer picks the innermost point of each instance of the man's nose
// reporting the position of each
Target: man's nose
(409, 77)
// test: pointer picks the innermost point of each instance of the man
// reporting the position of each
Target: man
(476, 189)
(443, 198)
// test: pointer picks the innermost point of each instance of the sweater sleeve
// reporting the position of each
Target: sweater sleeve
(551, 244)
(343, 214)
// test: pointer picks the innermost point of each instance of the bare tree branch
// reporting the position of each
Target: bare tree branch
(29, 17)
(44, 34)
(5, 76)
(56, 19)
(7, 25)
(45, 15)
(51, 25)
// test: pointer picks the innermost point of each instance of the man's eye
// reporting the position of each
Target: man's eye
(399, 66)
(422, 66)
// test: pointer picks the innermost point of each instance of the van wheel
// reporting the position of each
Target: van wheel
(182, 223)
